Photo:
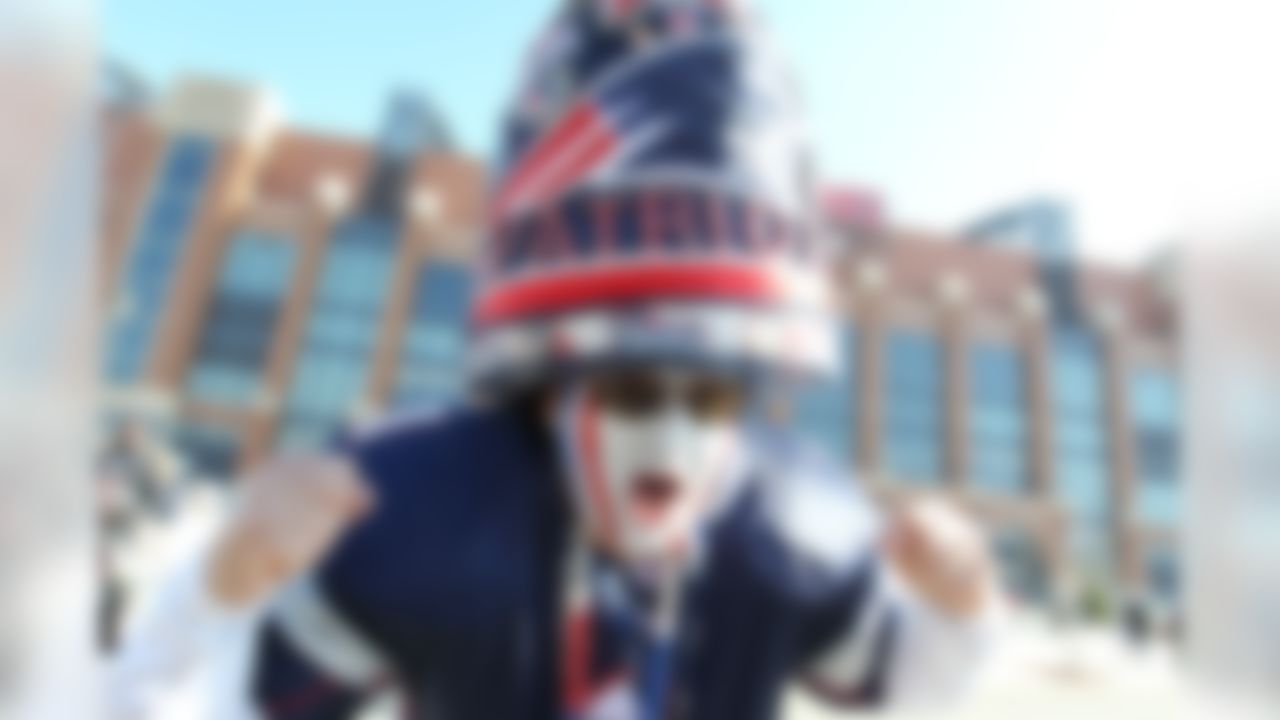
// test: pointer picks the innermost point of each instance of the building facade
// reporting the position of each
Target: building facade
(264, 286)
(1039, 391)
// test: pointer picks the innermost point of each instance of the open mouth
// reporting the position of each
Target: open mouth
(653, 495)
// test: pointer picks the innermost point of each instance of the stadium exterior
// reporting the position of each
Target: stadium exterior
(265, 285)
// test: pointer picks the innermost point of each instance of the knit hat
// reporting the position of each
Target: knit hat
(655, 202)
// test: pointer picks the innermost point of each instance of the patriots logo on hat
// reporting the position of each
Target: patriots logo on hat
(667, 110)
(669, 103)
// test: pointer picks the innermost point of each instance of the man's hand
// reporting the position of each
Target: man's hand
(292, 511)
(943, 557)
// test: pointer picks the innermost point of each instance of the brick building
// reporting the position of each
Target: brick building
(264, 285)
(1040, 391)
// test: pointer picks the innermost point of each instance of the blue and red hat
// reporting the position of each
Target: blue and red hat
(655, 202)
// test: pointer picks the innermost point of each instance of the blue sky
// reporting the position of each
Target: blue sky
(948, 108)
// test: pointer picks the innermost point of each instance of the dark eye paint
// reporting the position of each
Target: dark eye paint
(632, 395)
(714, 400)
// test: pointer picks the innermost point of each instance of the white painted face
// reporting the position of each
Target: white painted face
(650, 456)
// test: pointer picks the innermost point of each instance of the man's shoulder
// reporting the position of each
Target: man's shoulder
(444, 467)
(427, 429)
(440, 443)
(455, 496)
(809, 505)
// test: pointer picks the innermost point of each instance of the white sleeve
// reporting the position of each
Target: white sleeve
(182, 640)
(900, 652)
(937, 659)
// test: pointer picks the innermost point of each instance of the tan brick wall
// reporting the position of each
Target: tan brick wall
(396, 320)
(132, 152)
(227, 193)
(1124, 535)
(953, 325)
(868, 312)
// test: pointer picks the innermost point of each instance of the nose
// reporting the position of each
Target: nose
(671, 436)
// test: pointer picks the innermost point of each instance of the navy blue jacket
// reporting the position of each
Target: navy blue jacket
(454, 583)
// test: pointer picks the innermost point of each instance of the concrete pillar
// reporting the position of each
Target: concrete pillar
(195, 274)
(1122, 460)
(384, 364)
(241, 121)
(953, 296)
(870, 291)
(1055, 546)
(1037, 348)
(134, 150)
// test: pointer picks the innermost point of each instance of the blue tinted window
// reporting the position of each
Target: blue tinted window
(997, 418)
(238, 330)
(332, 372)
(211, 450)
(431, 360)
(1022, 563)
(1080, 442)
(827, 411)
(913, 406)
(1154, 406)
(153, 261)
(1164, 575)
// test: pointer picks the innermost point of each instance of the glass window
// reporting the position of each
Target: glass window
(1164, 572)
(1081, 443)
(1022, 564)
(153, 261)
(997, 418)
(827, 411)
(337, 345)
(434, 349)
(212, 451)
(241, 322)
(913, 406)
(1154, 409)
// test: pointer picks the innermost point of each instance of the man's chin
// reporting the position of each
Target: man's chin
(656, 544)
(652, 518)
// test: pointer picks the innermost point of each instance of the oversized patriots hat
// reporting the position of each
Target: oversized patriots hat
(654, 202)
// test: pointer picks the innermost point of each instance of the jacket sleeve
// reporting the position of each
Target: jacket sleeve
(182, 648)
(186, 655)
(937, 659)
(310, 663)
(894, 650)
(865, 639)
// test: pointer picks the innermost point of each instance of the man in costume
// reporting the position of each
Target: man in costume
(607, 530)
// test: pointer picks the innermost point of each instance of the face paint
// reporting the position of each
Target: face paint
(646, 482)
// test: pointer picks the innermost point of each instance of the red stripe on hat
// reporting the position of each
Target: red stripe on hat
(563, 140)
(585, 158)
(576, 119)
(709, 280)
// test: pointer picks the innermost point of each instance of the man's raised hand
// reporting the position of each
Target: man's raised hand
(291, 512)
